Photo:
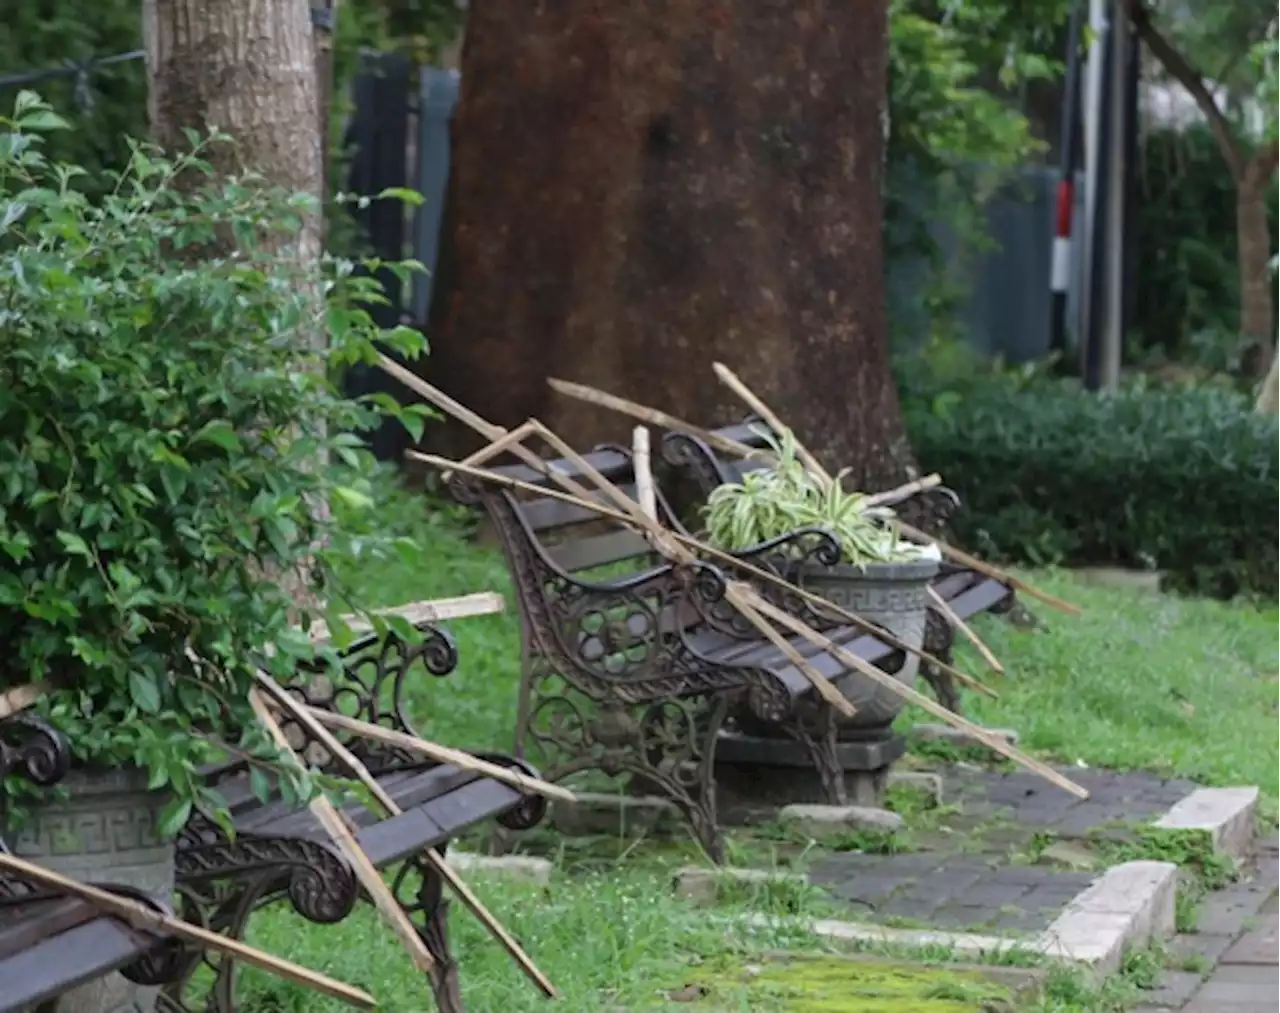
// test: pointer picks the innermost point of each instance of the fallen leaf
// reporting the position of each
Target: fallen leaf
(690, 993)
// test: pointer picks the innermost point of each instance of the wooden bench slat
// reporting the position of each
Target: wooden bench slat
(600, 550)
(67, 959)
(438, 803)
(979, 598)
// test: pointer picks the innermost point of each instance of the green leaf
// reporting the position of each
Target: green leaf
(260, 784)
(74, 544)
(404, 194)
(353, 497)
(174, 817)
(220, 432)
(144, 692)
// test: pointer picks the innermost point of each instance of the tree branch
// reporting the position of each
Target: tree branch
(1187, 76)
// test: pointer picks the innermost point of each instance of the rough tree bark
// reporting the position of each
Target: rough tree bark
(249, 68)
(642, 189)
(1251, 172)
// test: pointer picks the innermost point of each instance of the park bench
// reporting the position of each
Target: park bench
(631, 664)
(281, 852)
(966, 592)
(51, 944)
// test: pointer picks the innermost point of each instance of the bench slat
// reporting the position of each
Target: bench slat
(601, 550)
(438, 803)
(67, 959)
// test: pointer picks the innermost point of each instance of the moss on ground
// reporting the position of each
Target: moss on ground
(840, 985)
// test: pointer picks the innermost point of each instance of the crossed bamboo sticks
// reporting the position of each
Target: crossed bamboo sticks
(683, 548)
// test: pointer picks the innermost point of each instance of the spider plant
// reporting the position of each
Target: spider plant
(779, 499)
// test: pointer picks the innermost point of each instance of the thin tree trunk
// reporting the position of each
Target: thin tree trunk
(247, 67)
(1253, 239)
(641, 189)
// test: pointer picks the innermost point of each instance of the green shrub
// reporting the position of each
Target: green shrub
(1183, 479)
(168, 435)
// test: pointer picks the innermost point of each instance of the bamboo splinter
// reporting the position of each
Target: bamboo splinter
(948, 613)
(21, 697)
(358, 770)
(731, 446)
(994, 742)
(336, 827)
(142, 917)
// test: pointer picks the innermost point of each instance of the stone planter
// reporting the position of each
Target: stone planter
(103, 832)
(892, 595)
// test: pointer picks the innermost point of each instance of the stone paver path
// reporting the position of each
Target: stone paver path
(1237, 937)
(952, 892)
(999, 813)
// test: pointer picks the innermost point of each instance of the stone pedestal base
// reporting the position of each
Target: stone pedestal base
(755, 777)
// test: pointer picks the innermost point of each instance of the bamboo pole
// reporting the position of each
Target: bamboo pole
(498, 446)
(759, 611)
(904, 491)
(439, 610)
(672, 549)
(730, 380)
(307, 719)
(143, 918)
(731, 446)
(441, 754)
(996, 742)
(580, 496)
(21, 697)
(329, 818)
(644, 472)
(986, 569)
(955, 622)
(583, 500)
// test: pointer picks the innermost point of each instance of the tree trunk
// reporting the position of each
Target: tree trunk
(640, 190)
(247, 67)
(1253, 246)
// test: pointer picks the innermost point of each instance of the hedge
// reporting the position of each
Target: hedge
(1183, 480)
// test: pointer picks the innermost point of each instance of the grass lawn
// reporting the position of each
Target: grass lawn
(1141, 681)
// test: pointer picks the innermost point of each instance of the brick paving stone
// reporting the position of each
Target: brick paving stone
(1258, 946)
(1198, 944)
(1227, 912)
(1237, 989)
(1173, 988)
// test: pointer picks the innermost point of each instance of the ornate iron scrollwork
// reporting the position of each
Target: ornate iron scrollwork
(33, 749)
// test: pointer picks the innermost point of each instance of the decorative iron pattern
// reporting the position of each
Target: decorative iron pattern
(318, 882)
(33, 749)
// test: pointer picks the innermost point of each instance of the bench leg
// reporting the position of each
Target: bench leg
(428, 909)
(818, 733)
(938, 640)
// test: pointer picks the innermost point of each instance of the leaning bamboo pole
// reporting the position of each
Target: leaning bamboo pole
(307, 719)
(730, 446)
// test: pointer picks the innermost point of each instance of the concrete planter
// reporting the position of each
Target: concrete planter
(892, 595)
(104, 832)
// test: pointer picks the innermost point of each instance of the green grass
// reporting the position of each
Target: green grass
(1140, 681)
(1184, 687)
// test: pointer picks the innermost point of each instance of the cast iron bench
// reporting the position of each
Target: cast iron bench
(51, 944)
(965, 591)
(635, 672)
(280, 852)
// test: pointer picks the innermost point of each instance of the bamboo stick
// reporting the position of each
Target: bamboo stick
(974, 563)
(336, 827)
(727, 558)
(21, 697)
(845, 657)
(441, 754)
(498, 446)
(669, 547)
(141, 917)
(730, 380)
(731, 446)
(956, 623)
(306, 717)
(482, 603)
(904, 491)
(644, 472)
(653, 416)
